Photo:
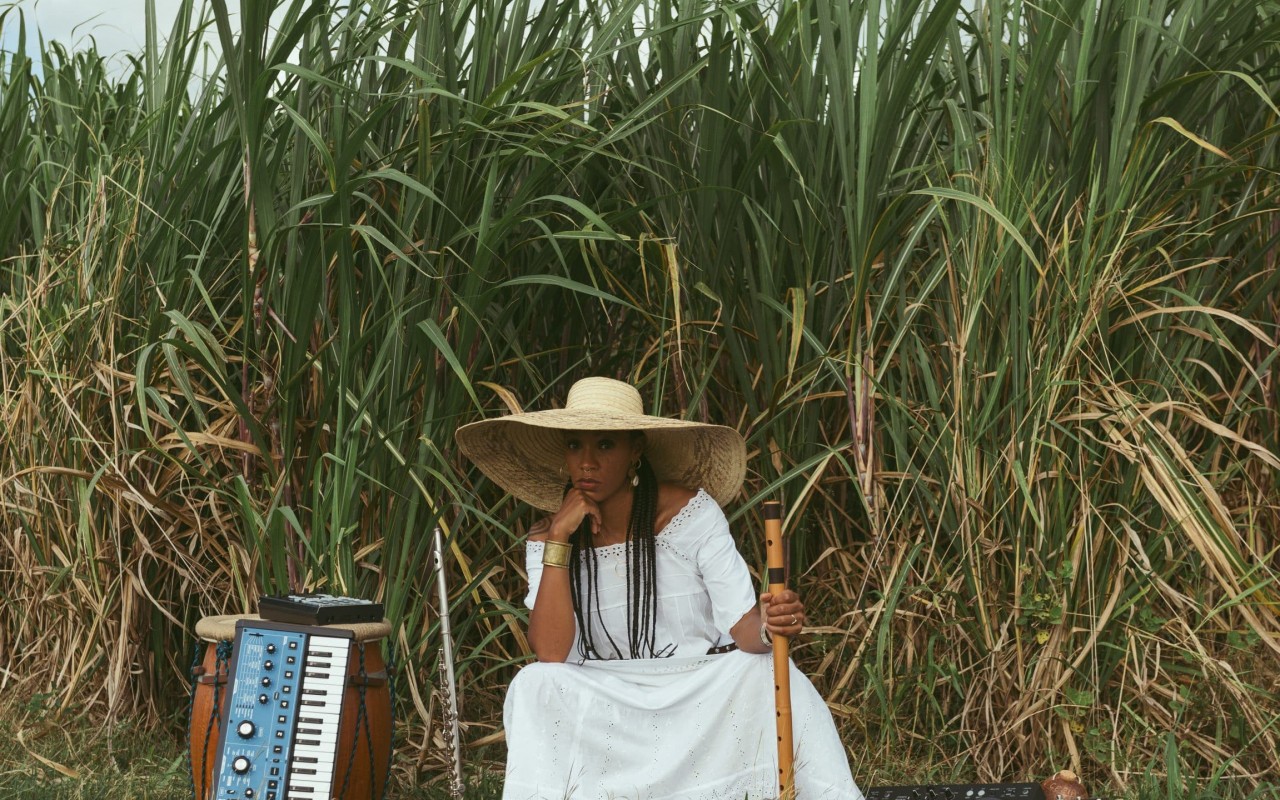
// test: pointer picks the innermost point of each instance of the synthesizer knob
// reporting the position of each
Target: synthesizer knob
(266, 681)
(271, 648)
(240, 765)
(245, 729)
(248, 791)
(268, 664)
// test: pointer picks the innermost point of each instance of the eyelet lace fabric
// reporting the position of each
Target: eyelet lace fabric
(690, 727)
(696, 505)
(641, 730)
(699, 503)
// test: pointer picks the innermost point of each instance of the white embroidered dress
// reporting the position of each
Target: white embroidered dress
(688, 727)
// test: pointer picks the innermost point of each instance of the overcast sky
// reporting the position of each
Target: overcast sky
(116, 25)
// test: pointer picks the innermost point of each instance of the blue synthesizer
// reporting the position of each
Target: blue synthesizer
(279, 739)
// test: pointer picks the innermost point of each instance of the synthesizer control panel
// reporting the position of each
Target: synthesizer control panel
(286, 689)
(975, 791)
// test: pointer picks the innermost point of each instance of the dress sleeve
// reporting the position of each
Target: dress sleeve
(723, 571)
(533, 568)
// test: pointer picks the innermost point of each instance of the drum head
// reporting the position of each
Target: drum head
(222, 628)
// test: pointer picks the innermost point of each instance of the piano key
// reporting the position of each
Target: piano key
(324, 713)
(331, 669)
(311, 773)
(318, 788)
(329, 673)
(321, 767)
(317, 745)
(333, 676)
(324, 757)
(323, 706)
(323, 742)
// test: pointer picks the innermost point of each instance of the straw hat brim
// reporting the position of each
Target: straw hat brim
(524, 453)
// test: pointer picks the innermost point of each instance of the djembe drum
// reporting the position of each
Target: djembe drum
(362, 759)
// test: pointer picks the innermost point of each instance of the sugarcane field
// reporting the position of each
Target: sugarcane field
(640, 399)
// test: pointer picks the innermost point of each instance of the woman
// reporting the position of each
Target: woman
(643, 615)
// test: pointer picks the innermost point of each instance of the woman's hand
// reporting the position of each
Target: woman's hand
(779, 615)
(783, 613)
(575, 507)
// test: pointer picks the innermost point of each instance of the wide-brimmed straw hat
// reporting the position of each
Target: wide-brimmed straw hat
(524, 453)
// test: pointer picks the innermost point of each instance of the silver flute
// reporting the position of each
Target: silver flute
(452, 733)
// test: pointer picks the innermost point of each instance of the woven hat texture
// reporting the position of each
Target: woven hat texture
(524, 453)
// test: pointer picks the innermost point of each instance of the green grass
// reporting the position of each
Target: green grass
(45, 757)
(42, 758)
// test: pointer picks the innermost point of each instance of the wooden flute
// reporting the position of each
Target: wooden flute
(781, 651)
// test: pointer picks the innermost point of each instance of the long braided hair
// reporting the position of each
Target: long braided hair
(642, 598)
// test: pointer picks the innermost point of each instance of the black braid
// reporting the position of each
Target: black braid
(641, 561)
(642, 590)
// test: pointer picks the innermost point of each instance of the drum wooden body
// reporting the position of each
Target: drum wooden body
(363, 758)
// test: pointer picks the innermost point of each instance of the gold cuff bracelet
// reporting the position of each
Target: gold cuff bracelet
(556, 554)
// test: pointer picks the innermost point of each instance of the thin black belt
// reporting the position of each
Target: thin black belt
(724, 648)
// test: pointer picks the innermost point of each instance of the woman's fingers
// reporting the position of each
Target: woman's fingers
(573, 509)
(785, 602)
(588, 509)
(783, 613)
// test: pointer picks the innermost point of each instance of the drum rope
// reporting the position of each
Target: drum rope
(368, 727)
(221, 660)
(191, 710)
(361, 724)
(391, 742)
